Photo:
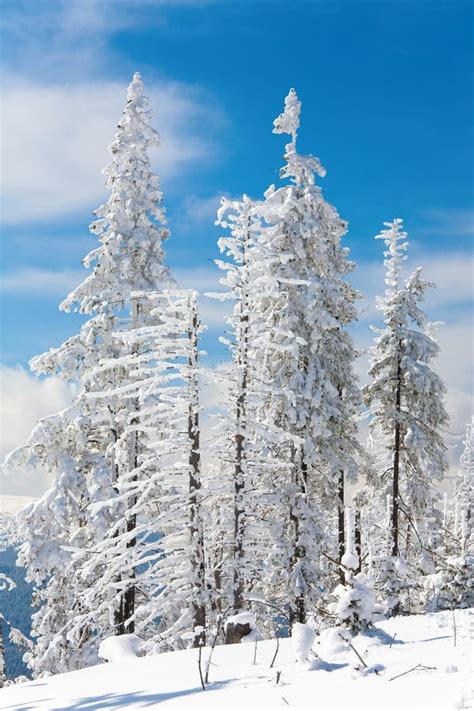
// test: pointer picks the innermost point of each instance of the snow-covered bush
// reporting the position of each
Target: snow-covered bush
(354, 604)
(452, 585)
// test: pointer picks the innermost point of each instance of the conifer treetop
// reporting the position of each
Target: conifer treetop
(299, 169)
(395, 239)
(131, 225)
(289, 120)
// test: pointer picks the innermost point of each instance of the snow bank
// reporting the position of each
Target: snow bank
(116, 649)
(171, 680)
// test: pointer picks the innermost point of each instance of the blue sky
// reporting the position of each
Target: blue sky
(386, 87)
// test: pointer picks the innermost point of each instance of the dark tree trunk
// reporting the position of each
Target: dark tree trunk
(358, 539)
(119, 608)
(341, 511)
(297, 609)
(239, 441)
(341, 544)
(396, 464)
(129, 594)
(195, 524)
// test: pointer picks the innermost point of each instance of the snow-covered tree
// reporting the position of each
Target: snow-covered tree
(463, 497)
(129, 261)
(308, 388)
(405, 397)
(354, 601)
(50, 529)
(154, 543)
(239, 454)
(451, 584)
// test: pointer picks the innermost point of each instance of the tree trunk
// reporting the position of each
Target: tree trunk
(341, 548)
(358, 539)
(396, 464)
(239, 440)
(297, 609)
(195, 523)
(129, 594)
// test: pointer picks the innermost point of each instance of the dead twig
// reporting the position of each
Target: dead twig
(276, 652)
(418, 666)
(214, 642)
(200, 667)
(454, 627)
(353, 649)
(255, 653)
(286, 702)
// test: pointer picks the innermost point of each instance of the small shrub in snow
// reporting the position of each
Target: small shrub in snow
(354, 599)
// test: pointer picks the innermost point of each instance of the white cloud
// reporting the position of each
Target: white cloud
(25, 399)
(41, 281)
(197, 211)
(55, 141)
(443, 221)
(70, 39)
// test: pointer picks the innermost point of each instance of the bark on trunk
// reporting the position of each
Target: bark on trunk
(396, 465)
(239, 441)
(195, 523)
(341, 546)
(358, 539)
(297, 611)
(129, 594)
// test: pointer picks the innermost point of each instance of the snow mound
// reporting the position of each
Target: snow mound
(116, 649)
(302, 639)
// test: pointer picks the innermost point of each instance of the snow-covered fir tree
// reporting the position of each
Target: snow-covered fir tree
(308, 388)
(154, 545)
(238, 448)
(405, 397)
(131, 228)
(451, 585)
(463, 497)
(354, 601)
(51, 528)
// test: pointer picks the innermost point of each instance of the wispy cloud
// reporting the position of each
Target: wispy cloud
(444, 222)
(25, 399)
(71, 39)
(41, 281)
(58, 138)
(452, 272)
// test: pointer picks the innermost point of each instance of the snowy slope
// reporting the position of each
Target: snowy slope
(172, 680)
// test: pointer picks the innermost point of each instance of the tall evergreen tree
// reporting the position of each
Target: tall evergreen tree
(405, 397)
(309, 390)
(238, 446)
(127, 264)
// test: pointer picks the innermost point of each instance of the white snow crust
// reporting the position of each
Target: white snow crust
(171, 680)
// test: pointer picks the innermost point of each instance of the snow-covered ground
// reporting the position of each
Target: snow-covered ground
(441, 681)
